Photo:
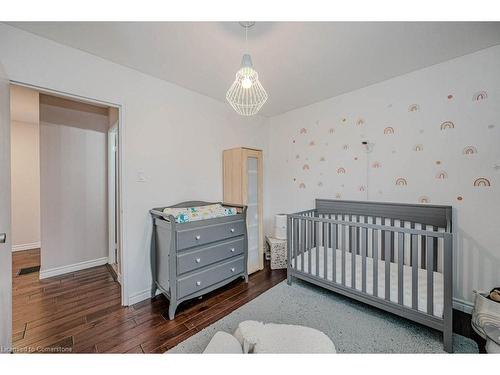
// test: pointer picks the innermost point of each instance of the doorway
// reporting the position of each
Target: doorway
(66, 227)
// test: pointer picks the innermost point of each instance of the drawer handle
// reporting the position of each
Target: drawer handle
(232, 249)
(198, 237)
(197, 260)
(232, 230)
(232, 270)
(198, 283)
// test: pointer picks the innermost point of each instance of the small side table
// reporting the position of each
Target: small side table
(277, 249)
(492, 333)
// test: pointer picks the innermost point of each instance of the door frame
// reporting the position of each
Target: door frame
(121, 163)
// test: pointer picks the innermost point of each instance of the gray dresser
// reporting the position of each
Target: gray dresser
(194, 258)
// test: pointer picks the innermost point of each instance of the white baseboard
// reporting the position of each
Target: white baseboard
(72, 267)
(464, 306)
(26, 246)
(140, 296)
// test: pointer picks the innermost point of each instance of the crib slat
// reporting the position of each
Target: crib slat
(353, 259)
(309, 245)
(382, 239)
(364, 233)
(392, 240)
(326, 235)
(334, 252)
(330, 233)
(430, 275)
(302, 242)
(343, 253)
(296, 243)
(316, 232)
(414, 272)
(401, 255)
(375, 261)
(435, 244)
(387, 270)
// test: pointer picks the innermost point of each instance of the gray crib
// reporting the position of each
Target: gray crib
(396, 257)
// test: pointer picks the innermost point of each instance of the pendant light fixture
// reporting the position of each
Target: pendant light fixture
(246, 95)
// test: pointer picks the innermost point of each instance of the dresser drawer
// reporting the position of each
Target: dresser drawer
(192, 260)
(203, 279)
(203, 235)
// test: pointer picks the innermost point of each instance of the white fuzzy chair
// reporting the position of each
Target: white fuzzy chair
(258, 337)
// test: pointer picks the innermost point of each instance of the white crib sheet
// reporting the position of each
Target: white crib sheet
(407, 278)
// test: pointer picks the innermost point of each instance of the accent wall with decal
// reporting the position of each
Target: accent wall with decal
(431, 137)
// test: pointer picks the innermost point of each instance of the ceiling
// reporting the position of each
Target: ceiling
(299, 63)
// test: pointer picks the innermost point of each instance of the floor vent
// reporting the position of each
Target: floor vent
(25, 271)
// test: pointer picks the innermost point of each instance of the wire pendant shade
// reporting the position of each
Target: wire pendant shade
(246, 95)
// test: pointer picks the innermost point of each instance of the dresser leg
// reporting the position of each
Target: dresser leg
(171, 310)
(246, 278)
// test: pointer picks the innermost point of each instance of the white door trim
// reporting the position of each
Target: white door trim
(121, 173)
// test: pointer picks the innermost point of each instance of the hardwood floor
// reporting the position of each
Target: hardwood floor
(81, 312)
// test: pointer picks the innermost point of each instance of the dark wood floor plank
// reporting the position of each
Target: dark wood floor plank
(81, 311)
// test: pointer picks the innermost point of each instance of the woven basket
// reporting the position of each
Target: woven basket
(485, 311)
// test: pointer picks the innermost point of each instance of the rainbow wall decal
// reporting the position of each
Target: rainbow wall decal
(424, 199)
(413, 108)
(305, 167)
(320, 184)
(312, 143)
(376, 165)
(469, 150)
(322, 158)
(360, 122)
(331, 130)
(345, 147)
(389, 130)
(341, 170)
(442, 175)
(447, 125)
(481, 182)
(297, 156)
(362, 188)
(418, 148)
(400, 181)
(481, 95)
(303, 131)
(302, 185)
(338, 196)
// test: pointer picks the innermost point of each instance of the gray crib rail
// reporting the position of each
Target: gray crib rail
(399, 235)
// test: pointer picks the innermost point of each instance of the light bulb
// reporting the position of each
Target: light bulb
(246, 83)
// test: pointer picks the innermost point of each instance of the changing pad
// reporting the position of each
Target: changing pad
(185, 215)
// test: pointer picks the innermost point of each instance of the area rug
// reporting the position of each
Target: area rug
(353, 327)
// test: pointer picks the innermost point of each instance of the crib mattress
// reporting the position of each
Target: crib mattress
(407, 277)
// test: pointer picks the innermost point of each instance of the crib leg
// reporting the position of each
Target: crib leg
(289, 278)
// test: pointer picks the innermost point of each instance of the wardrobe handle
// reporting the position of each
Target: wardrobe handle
(197, 260)
(232, 230)
(232, 269)
(232, 249)
(198, 237)
(198, 283)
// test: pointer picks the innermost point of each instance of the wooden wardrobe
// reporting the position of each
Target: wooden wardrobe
(243, 184)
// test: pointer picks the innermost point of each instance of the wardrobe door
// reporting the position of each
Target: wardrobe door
(252, 171)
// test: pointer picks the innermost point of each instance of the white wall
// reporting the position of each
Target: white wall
(73, 185)
(25, 169)
(443, 93)
(174, 136)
